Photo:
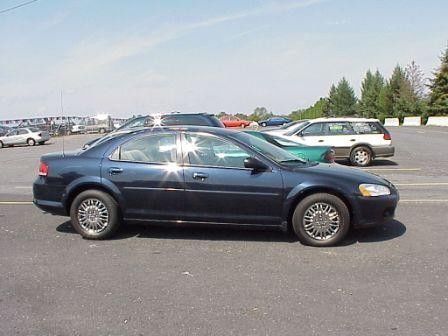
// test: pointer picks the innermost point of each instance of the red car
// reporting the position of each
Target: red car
(232, 121)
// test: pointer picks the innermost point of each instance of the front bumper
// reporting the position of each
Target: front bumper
(373, 211)
(383, 151)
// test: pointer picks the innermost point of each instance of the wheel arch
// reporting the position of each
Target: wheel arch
(76, 190)
(362, 144)
(315, 190)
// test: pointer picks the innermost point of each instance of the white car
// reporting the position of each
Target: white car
(360, 140)
(24, 136)
(78, 129)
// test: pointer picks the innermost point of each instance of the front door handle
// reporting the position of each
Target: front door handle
(115, 171)
(200, 176)
(321, 140)
(352, 140)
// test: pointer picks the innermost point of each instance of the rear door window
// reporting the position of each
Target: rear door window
(159, 148)
(338, 128)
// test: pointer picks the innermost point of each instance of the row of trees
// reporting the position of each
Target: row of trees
(405, 93)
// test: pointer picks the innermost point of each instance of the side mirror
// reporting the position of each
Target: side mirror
(255, 164)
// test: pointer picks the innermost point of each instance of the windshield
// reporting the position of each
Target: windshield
(276, 140)
(295, 128)
(272, 152)
(293, 124)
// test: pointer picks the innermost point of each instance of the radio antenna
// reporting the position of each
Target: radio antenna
(63, 134)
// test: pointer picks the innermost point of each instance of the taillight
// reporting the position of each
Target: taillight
(43, 169)
(387, 136)
(329, 156)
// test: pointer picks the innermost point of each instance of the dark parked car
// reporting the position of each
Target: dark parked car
(209, 176)
(172, 119)
(274, 121)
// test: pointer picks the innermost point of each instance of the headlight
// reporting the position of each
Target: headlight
(370, 190)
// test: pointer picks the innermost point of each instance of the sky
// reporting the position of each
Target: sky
(134, 57)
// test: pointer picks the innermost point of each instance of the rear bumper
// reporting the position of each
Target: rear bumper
(374, 211)
(55, 208)
(383, 151)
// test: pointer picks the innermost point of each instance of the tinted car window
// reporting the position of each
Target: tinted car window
(367, 128)
(338, 128)
(34, 129)
(313, 129)
(157, 148)
(211, 151)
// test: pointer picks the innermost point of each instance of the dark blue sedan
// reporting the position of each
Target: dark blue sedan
(209, 176)
(274, 121)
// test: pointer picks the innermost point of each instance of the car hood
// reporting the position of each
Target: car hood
(342, 173)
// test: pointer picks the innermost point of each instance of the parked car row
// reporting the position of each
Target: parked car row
(208, 175)
(357, 139)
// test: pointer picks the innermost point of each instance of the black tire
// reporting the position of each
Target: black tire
(113, 220)
(102, 131)
(263, 125)
(306, 206)
(361, 156)
(1, 144)
(31, 142)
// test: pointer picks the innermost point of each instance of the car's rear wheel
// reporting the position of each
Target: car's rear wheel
(1, 144)
(263, 124)
(321, 220)
(361, 156)
(95, 214)
(31, 142)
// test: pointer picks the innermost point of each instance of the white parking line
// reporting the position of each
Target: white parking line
(424, 201)
(392, 169)
(15, 203)
(424, 184)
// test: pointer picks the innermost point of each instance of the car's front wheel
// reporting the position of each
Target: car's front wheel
(263, 125)
(95, 214)
(321, 220)
(1, 144)
(361, 156)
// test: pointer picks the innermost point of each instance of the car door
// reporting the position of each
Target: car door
(340, 136)
(145, 170)
(219, 189)
(312, 135)
(22, 136)
(11, 138)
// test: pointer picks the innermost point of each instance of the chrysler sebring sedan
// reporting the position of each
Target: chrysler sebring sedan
(214, 176)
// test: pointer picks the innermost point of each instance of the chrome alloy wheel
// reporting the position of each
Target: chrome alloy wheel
(93, 215)
(321, 221)
(361, 156)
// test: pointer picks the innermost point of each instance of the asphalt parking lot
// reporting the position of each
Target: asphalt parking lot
(390, 280)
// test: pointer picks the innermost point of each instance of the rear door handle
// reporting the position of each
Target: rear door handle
(200, 176)
(352, 139)
(115, 171)
(321, 140)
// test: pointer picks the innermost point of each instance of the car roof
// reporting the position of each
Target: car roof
(343, 119)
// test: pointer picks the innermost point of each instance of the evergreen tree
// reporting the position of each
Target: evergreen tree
(370, 90)
(438, 98)
(342, 99)
(415, 77)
